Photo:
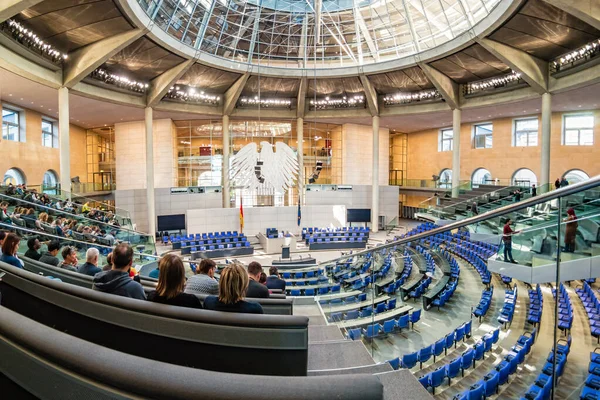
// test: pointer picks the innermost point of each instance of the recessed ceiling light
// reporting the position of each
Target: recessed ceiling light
(11, 95)
(579, 106)
(42, 106)
(49, 109)
(21, 98)
(32, 102)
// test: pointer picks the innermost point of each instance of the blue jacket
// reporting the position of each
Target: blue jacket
(119, 283)
(88, 269)
(12, 260)
(274, 282)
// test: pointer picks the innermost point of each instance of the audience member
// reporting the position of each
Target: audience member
(570, 231)
(517, 195)
(233, 284)
(155, 273)
(33, 245)
(474, 208)
(507, 239)
(108, 265)
(255, 289)
(274, 281)
(117, 280)
(69, 256)
(564, 182)
(171, 283)
(557, 183)
(2, 237)
(4, 217)
(9, 250)
(49, 257)
(263, 279)
(533, 190)
(90, 267)
(204, 281)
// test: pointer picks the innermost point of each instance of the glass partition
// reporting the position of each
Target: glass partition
(508, 292)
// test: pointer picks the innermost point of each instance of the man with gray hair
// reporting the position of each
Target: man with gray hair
(91, 263)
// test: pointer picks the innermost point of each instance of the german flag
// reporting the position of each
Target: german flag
(241, 216)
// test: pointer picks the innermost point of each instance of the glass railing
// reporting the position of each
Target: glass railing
(412, 300)
(76, 226)
(55, 194)
(428, 183)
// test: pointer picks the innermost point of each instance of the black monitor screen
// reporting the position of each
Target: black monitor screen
(171, 222)
(358, 215)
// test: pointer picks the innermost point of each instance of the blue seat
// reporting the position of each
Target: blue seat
(391, 304)
(324, 290)
(459, 334)
(467, 326)
(424, 380)
(295, 292)
(503, 374)
(335, 317)
(438, 347)
(355, 334)
(403, 321)
(366, 312)
(371, 331)
(394, 363)
(309, 292)
(415, 316)
(479, 352)
(467, 360)
(449, 341)
(410, 360)
(287, 275)
(476, 393)
(424, 355)
(352, 314)
(380, 308)
(453, 368)
(389, 326)
(437, 377)
(490, 383)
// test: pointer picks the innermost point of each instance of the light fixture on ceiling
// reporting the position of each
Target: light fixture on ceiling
(265, 102)
(513, 78)
(577, 56)
(356, 101)
(121, 81)
(189, 93)
(29, 39)
(412, 97)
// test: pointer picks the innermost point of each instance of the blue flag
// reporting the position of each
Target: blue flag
(299, 213)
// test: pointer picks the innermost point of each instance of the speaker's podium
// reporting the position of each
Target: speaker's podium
(285, 251)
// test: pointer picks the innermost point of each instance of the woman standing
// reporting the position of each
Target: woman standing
(171, 282)
(570, 231)
(9, 250)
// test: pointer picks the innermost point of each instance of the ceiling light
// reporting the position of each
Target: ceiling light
(29, 39)
(11, 95)
(191, 94)
(412, 97)
(357, 101)
(121, 81)
(513, 78)
(576, 57)
(265, 102)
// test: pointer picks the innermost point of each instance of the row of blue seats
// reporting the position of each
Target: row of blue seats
(311, 281)
(391, 325)
(565, 309)
(313, 292)
(472, 258)
(591, 388)
(347, 300)
(420, 289)
(194, 249)
(542, 387)
(392, 287)
(536, 305)
(341, 229)
(337, 239)
(490, 383)
(410, 360)
(201, 242)
(209, 235)
(592, 308)
(450, 370)
(484, 303)
(302, 274)
(508, 310)
(363, 312)
(444, 296)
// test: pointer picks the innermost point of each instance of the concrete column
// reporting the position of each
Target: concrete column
(456, 115)
(150, 172)
(225, 168)
(300, 133)
(64, 140)
(375, 182)
(546, 128)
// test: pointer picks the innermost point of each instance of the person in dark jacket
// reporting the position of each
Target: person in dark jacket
(233, 284)
(533, 190)
(90, 267)
(255, 289)
(33, 245)
(117, 281)
(557, 183)
(49, 257)
(69, 255)
(274, 281)
(171, 282)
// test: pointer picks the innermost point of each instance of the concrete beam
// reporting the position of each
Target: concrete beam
(533, 70)
(160, 85)
(301, 103)
(446, 86)
(233, 94)
(275, 113)
(10, 8)
(579, 79)
(189, 108)
(83, 61)
(370, 95)
(17, 64)
(586, 10)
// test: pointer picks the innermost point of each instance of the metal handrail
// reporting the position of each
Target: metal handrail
(562, 192)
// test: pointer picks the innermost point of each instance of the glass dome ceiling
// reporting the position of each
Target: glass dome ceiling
(281, 33)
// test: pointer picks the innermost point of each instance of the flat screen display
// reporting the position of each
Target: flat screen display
(174, 222)
(358, 215)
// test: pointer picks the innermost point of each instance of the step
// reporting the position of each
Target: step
(340, 354)
(401, 384)
(322, 333)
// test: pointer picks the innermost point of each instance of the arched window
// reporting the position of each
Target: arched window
(50, 179)
(524, 177)
(576, 176)
(481, 176)
(14, 176)
(446, 178)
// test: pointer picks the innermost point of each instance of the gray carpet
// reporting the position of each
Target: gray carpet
(322, 333)
(342, 354)
(367, 369)
(402, 384)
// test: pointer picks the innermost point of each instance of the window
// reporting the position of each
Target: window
(446, 178)
(576, 176)
(578, 130)
(14, 176)
(446, 136)
(524, 177)
(50, 179)
(483, 136)
(10, 125)
(481, 176)
(49, 138)
(525, 132)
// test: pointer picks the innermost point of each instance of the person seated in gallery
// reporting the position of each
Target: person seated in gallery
(90, 267)
(49, 257)
(233, 284)
(33, 245)
(118, 280)
(255, 289)
(69, 256)
(10, 246)
(204, 281)
(274, 281)
(171, 282)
